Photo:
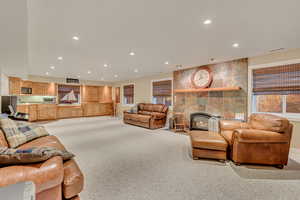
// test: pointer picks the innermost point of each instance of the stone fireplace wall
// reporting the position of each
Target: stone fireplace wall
(227, 104)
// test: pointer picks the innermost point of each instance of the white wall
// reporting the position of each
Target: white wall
(13, 37)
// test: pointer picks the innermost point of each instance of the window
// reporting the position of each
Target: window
(162, 92)
(129, 94)
(277, 90)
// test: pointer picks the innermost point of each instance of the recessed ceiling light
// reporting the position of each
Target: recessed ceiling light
(89, 72)
(132, 53)
(47, 73)
(60, 58)
(136, 70)
(208, 21)
(78, 76)
(116, 75)
(105, 65)
(167, 62)
(235, 45)
(52, 67)
(75, 38)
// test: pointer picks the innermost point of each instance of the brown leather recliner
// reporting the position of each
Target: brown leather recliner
(54, 179)
(265, 139)
(148, 115)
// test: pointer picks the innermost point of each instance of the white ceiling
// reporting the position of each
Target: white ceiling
(156, 30)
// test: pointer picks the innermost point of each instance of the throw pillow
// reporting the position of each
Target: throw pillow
(9, 156)
(19, 133)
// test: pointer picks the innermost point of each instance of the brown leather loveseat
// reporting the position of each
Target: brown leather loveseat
(54, 179)
(265, 139)
(148, 115)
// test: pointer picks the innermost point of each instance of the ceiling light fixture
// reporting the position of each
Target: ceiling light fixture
(47, 73)
(167, 62)
(89, 72)
(208, 21)
(52, 67)
(136, 70)
(116, 75)
(132, 53)
(75, 38)
(235, 45)
(60, 58)
(105, 65)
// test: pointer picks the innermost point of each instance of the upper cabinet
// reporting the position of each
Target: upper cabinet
(14, 86)
(105, 94)
(90, 93)
(31, 88)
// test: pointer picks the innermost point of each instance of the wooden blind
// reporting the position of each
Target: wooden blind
(162, 88)
(128, 90)
(277, 80)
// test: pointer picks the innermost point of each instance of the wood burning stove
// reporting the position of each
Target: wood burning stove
(204, 122)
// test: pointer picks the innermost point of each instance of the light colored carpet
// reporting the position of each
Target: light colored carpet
(123, 162)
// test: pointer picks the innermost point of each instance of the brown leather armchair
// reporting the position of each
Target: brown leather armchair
(148, 115)
(265, 139)
(53, 178)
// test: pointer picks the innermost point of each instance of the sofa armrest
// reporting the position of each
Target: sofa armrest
(259, 136)
(156, 115)
(232, 125)
(45, 175)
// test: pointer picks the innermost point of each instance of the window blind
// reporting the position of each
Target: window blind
(162, 88)
(128, 90)
(280, 80)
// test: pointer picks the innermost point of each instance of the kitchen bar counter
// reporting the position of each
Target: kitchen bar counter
(39, 112)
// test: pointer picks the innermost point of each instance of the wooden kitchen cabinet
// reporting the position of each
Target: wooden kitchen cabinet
(14, 86)
(69, 111)
(106, 109)
(46, 111)
(90, 93)
(30, 109)
(91, 109)
(105, 94)
(23, 108)
(40, 89)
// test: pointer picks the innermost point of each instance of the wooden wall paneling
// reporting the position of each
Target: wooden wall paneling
(90, 93)
(14, 86)
(52, 89)
(105, 94)
(23, 108)
(69, 111)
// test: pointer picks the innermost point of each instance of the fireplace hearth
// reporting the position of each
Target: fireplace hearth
(204, 122)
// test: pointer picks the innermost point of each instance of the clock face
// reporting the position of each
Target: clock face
(202, 78)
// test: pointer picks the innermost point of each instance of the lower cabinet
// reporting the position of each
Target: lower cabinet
(97, 109)
(46, 112)
(69, 111)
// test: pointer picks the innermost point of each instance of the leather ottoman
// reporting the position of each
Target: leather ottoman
(206, 144)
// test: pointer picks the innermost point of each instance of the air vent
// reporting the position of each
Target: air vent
(275, 50)
(72, 80)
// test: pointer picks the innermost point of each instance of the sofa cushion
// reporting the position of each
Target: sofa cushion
(158, 115)
(208, 140)
(268, 122)
(47, 141)
(18, 134)
(137, 117)
(73, 179)
(9, 156)
(143, 112)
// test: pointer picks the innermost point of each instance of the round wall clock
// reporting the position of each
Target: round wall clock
(202, 78)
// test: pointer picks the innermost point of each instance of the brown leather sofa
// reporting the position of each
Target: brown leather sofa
(54, 179)
(148, 115)
(265, 139)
